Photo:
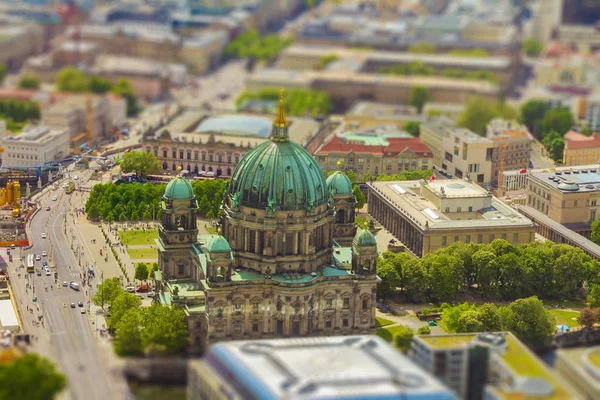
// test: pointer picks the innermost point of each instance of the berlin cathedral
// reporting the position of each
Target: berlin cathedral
(288, 260)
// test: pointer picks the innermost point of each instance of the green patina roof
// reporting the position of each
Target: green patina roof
(218, 244)
(339, 183)
(279, 173)
(364, 238)
(179, 189)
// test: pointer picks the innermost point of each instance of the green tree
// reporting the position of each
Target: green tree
(451, 315)
(29, 82)
(417, 97)
(532, 47)
(165, 329)
(128, 340)
(446, 276)
(422, 47)
(120, 305)
(141, 163)
(99, 85)
(412, 127)
(593, 299)
(250, 44)
(351, 175)
(403, 337)
(415, 281)
(390, 279)
(107, 292)
(154, 269)
(123, 88)
(595, 234)
(532, 113)
(469, 322)
(557, 119)
(532, 323)
(3, 72)
(424, 330)
(479, 112)
(360, 197)
(476, 52)
(70, 79)
(30, 377)
(298, 102)
(489, 317)
(141, 272)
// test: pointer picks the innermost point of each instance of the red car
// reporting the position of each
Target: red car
(142, 288)
(47, 208)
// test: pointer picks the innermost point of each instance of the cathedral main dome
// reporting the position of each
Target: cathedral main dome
(279, 174)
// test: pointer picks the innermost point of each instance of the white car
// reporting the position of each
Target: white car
(44, 235)
(130, 289)
(65, 185)
(76, 177)
(48, 272)
(44, 253)
(37, 257)
(54, 198)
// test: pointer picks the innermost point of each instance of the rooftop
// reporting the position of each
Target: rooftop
(576, 140)
(325, 367)
(237, 124)
(573, 179)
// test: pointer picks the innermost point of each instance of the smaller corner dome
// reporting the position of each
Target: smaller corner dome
(219, 245)
(340, 183)
(568, 186)
(179, 189)
(364, 238)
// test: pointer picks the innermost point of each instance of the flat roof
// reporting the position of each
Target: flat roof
(325, 368)
(406, 197)
(577, 179)
(577, 359)
(516, 356)
(241, 124)
(8, 315)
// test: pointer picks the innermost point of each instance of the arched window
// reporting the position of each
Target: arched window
(339, 216)
(165, 166)
(365, 304)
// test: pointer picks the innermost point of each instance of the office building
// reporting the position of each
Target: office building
(426, 216)
(570, 197)
(491, 366)
(384, 152)
(338, 367)
(273, 270)
(36, 145)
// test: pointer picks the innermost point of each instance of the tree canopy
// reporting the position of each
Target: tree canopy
(3, 72)
(97, 84)
(412, 127)
(532, 113)
(360, 197)
(71, 79)
(298, 102)
(532, 47)
(29, 82)
(251, 44)
(417, 97)
(122, 303)
(479, 112)
(107, 292)
(30, 377)
(124, 89)
(140, 162)
(141, 271)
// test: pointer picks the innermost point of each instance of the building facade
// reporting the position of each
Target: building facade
(35, 146)
(511, 147)
(426, 216)
(581, 149)
(274, 271)
(374, 153)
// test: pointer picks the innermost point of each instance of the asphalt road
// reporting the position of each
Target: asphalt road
(70, 332)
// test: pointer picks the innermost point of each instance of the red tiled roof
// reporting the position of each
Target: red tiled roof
(17, 94)
(575, 140)
(396, 146)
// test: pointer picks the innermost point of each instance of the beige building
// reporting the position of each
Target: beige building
(348, 86)
(36, 145)
(568, 70)
(585, 38)
(511, 147)
(426, 216)
(581, 149)
(569, 197)
(274, 271)
(18, 42)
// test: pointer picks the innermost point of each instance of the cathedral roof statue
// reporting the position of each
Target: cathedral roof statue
(179, 189)
(279, 173)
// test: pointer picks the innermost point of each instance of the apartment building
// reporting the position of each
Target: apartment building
(581, 149)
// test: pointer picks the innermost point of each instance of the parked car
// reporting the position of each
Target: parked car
(65, 284)
(432, 323)
(72, 305)
(143, 288)
(54, 198)
(130, 289)
(38, 257)
(39, 272)
(48, 208)
(83, 310)
(151, 295)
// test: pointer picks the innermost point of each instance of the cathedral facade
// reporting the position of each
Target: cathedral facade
(287, 262)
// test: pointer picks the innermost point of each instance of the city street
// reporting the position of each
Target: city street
(66, 329)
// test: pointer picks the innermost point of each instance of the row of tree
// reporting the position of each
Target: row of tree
(419, 68)
(498, 271)
(158, 329)
(298, 102)
(428, 48)
(252, 45)
(137, 201)
(527, 318)
(71, 79)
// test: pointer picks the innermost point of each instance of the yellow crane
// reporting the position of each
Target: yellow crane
(501, 169)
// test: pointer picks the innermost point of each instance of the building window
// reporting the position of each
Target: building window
(593, 202)
(220, 158)
(447, 209)
(345, 322)
(328, 323)
(491, 238)
(237, 308)
(443, 240)
(174, 153)
(459, 209)
(181, 269)
(279, 306)
(479, 238)
(328, 304)
(197, 324)
(203, 156)
(210, 157)
(575, 203)
(346, 302)
(237, 159)
(470, 208)
(155, 153)
(255, 308)
(189, 155)
(365, 304)
(456, 238)
(164, 153)
(468, 239)
(229, 158)
(148, 150)
(181, 155)
(254, 327)
(515, 237)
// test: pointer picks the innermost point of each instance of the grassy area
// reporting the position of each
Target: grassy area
(150, 254)
(383, 321)
(389, 333)
(138, 236)
(452, 340)
(564, 317)
(574, 304)
(594, 358)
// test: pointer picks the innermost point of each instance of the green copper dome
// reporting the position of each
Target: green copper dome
(339, 183)
(364, 238)
(279, 174)
(219, 245)
(179, 189)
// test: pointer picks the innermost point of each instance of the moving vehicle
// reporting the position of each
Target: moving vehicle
(74, 285)
(65, 284)
(48, 272)
(80, 304)
(76, 177)
(38, 257)
(72, 305)
(130, 289)
(48, 208)
(151, 295)
(142, 288)
(54, 198)
(45, 263)
(30, 263)
(44, 253)
(12, 246)
(44, 235)
(83, 310)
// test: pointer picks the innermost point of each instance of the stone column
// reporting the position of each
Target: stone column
(247, 311)
(295, 243)
(256, 242)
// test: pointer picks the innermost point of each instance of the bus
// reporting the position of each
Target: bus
(71, 188)
(30, 268)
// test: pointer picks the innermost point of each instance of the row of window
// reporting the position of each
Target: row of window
(197, 156)
(24, 156)
(255, 307)
(479, 238)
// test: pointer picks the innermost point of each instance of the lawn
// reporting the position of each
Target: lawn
(564, 317)
(147, 253)
(138, 236)
(383, 321)
(389, 333)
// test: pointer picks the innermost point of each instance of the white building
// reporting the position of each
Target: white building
(36, 145)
